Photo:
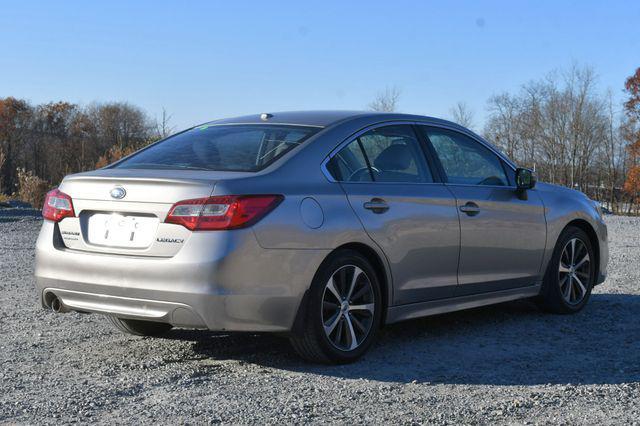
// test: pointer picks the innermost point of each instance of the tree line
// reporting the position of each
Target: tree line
(571, 134)
(567, 130)
(562, 126)
(40, 144)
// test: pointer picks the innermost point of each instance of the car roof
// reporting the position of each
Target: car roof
(322, 118)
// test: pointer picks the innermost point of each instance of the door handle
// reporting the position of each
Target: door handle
(376, 205)
(471, 209)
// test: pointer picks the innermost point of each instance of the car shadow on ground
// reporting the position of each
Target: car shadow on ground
(508, 344)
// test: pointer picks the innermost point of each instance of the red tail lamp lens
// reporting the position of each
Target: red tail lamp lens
(222, 212)
(57, 206)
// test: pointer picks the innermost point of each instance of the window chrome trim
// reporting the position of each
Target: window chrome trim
(483, 186)
(454, 128)
(391, 183)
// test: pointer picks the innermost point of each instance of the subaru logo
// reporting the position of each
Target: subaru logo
(118, 193)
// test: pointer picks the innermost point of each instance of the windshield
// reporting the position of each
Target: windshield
(244, 148)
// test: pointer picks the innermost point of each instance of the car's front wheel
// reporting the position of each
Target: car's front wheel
(343, 310)
(138, 327)
(570, 275)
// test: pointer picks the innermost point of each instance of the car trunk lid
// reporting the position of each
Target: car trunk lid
(122, 211)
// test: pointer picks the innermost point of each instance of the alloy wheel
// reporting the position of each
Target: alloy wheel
(348, 307)
(574, 271)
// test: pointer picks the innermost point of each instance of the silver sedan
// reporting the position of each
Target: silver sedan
(323, 226)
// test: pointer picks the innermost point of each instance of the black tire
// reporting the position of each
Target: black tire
(140, 328)
(312, 343)
(551, 297)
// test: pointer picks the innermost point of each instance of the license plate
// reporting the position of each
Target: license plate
(115, 230)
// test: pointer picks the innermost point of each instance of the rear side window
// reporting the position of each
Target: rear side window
(464, 160)
(350, 164)
(245, 148)
(384, 154)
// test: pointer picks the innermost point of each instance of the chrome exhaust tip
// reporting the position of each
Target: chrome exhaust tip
(56, 306)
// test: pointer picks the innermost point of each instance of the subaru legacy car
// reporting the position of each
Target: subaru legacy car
(321, 226)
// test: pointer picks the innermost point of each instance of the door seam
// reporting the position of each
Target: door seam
(364, 228)
(455, 199)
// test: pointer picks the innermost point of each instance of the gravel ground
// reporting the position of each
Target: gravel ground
(503, 364)
(13, 214)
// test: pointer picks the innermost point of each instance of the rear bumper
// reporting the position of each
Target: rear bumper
(178, 314)
(217, 281)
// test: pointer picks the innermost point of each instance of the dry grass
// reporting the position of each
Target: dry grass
(31, 188)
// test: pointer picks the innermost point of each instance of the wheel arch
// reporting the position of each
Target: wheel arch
(382, 271)
(593, 239)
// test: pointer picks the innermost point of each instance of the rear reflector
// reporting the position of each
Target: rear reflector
(222, 212)
(57, 206)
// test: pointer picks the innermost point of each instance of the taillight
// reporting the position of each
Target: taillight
(222, 212)
(57, 206)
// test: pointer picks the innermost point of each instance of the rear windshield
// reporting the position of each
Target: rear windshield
(244, 148)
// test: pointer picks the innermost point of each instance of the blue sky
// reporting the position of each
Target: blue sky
(205, 60)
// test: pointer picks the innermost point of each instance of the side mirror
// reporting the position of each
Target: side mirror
(525, 179)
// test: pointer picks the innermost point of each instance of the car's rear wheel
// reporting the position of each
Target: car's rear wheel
(343, 310)
(138, 327)
(571, 273)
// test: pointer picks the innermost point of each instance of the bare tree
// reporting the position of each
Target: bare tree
(613, 157)
(386, 101)
(3, 158)
(120, 123)
(462, 114)
(564, 128)
(164, 127)
(504, 123)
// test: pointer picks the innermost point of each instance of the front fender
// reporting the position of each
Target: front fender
(564, 206)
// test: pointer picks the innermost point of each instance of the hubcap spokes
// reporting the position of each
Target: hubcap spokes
(574, 271)
(348, 307)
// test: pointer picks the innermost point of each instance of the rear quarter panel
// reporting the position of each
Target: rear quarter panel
(308, 196)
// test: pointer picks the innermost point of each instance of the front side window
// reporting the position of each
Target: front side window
(466, 161)
(384, 154)
(245, 148)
